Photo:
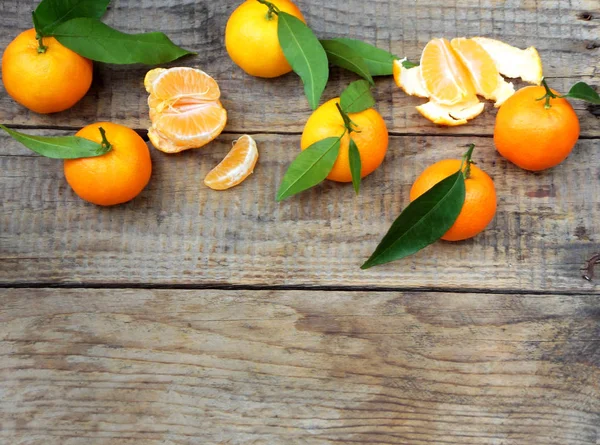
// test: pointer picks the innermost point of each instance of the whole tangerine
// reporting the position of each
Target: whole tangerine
(370, 136)
(479, 207)
(45, 80)
(531, 134)
(252, 40)
(115, 177)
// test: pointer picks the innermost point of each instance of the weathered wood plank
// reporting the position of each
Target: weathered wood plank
(568, 43)
(180, 232)
(288, 367)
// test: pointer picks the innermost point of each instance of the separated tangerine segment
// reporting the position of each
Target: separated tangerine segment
(235, 167)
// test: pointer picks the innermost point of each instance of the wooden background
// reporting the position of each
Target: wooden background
(189, 316)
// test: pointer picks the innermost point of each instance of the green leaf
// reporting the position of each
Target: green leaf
(408, 64)
(379, 62)
(305, 54)
(583, 91)
(51, 13)
(345, 57)
(355, 164)
(59, 147)
(93, 39)
(310, 167)
(423, 222)
(357, 97)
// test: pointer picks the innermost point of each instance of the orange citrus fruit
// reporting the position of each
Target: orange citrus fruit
(115, 177)
(185, 109)
(531, 136)
(45, 82)
(444, 76)
(251, 38)
(371, 138)
(480, 199)
(235, 167)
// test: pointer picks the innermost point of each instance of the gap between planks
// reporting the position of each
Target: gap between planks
(249, 287)
(144, 133)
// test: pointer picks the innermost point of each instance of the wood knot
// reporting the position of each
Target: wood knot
(592, 45)
(589, 268)
(585, 15)
(594, 109)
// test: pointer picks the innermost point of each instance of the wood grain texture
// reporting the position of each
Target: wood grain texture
(287, 367)
(179, 232)
(566, 33)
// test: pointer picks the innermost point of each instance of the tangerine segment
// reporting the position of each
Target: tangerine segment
(191, 125)
(479, 207)
(480, 65)
(513, 62)
(371, 138)
(444, 76)
(182, 83)
(235, 167)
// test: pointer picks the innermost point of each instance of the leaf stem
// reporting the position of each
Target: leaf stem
(549, 94)
(105, 144)
(38, 34)
(272, 9)
(468, 161)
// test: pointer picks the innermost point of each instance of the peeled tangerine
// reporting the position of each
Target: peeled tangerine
(185, 109)
(452, 75)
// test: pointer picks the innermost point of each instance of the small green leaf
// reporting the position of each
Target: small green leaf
(423, 222)
(583, 91)
(305, 54)
(59, 147)
(93, 39)
(408, 64)
(355, 164)
(357, 97)
(51, 13)
(310, 167)
(345, 57)
(379, 62)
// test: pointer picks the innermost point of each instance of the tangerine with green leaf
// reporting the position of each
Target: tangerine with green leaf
(115, 177)
(479, 207)
(43, 75)
(252, 40)
(536, 129)
(369, 133)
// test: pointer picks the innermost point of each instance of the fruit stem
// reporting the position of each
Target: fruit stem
(347, 121)
(107, 145)
(468, 161)
(549, 95)
(38, 34)
(272, 9)
(589, 270)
